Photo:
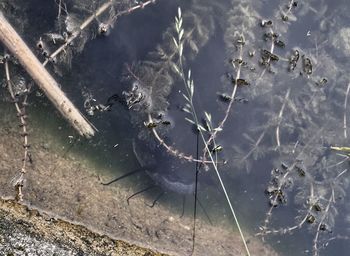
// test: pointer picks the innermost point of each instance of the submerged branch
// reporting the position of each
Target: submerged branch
(292, 228)
(189, 86)
(171, 150)
(345, 106)
(280, 119)
(229, 107)
(319, 229)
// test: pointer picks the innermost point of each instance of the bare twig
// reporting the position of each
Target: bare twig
(280, 119)
(61, 7)
(345, 105)
(189, 86)
(232, 97)
(345, 158)
(290, 7)
(319, 229)
(331, 201)
(75, 34)
(268, 61)
(22, 117)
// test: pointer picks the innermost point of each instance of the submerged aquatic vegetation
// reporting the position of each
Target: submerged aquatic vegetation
(19, 90)
(292, 79)
(299, 118)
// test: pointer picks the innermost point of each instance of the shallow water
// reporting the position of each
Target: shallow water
(295, 115)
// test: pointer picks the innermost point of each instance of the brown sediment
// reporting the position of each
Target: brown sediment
(65, 188)
(19, 49)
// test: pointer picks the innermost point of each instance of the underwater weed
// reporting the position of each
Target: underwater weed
(189, 85)
(70, 28)
(19, 92)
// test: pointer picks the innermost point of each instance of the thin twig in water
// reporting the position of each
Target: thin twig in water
(75, 34)
(280, 119)
(89, 20)
(319, 229)
(345, 158)
(290, 7)
(61, 6)
(288, 172)
(345, 105)
(268, 61)
(189, 86)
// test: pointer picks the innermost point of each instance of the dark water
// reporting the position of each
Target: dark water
(296, 114)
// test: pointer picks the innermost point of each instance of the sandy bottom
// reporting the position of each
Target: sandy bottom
(66, 187)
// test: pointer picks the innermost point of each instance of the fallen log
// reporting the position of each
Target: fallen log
(18, 48)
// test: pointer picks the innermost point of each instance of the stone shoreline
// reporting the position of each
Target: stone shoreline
(69, 199)
(25, 231)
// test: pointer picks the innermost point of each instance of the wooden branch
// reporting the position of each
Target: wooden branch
(22, 117)
(42, 78)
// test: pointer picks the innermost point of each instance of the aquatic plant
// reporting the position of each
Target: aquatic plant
(292, 85)
(294, 89)
(69, 29)
(19, 90)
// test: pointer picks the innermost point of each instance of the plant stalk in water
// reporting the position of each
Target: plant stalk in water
(189, 86)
